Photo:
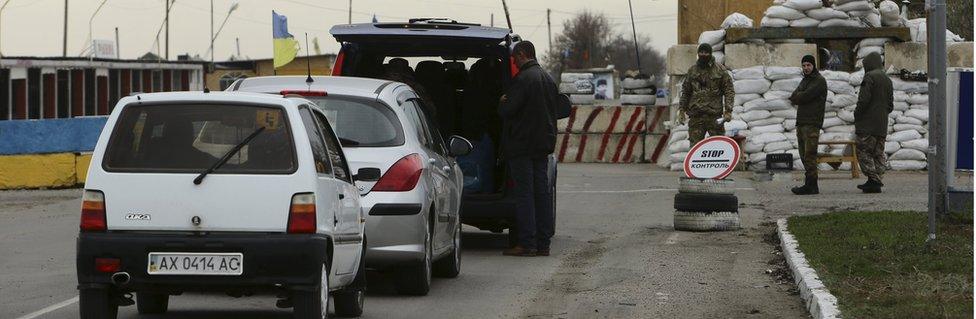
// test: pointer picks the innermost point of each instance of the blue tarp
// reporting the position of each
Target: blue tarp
(50, 136)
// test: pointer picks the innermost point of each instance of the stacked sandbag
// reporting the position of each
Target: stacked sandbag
(918, 28)
(868, 46)
(737, 20)
(639, 90)
(890, 14)
(812, 13)
(579, 86)
(717, 40)
(907, 141)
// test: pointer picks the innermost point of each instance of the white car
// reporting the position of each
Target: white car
(411, 183)
(217, 192)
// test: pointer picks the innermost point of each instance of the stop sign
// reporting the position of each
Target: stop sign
(712, 158)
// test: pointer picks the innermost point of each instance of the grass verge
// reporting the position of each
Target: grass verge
(878, 265)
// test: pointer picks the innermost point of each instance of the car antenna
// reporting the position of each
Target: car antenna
(308, 62)
(507, 16)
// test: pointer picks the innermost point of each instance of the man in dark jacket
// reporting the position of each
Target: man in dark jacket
(528, 111)
(810, 97)
(874, 103)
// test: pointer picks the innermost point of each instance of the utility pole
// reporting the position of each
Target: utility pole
(492, 20)
(937, 159)
(118, 52)
(5, 3)
(508, 18)
(168, 4)
(238, 40)
(549, 24)
(350, 11)
(64, 44)
(211, 33)
(634, 28)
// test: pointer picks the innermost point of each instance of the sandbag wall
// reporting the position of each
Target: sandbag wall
(612, 134)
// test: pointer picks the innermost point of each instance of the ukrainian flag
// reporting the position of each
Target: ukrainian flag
(285, 46)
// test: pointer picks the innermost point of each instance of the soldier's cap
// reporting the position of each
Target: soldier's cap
(809, 58)
(705, 48)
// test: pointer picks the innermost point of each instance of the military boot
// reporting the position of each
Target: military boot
(809, 187)
(872, 187)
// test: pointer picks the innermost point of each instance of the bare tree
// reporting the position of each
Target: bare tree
(621, 52)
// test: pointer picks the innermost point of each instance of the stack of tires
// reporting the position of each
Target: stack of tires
(579, 86)
(706, 205)
(638, 90)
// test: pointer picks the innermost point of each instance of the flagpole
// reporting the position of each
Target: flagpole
(274, 69)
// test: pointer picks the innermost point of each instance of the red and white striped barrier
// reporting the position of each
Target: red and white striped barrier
(600, 148)
(655, 146)
(656, 116)
(603, 119)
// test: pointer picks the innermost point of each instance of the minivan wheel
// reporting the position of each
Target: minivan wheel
(97, 303)
(415, 280)
(150, 303)
(450, 265)
(313, 304)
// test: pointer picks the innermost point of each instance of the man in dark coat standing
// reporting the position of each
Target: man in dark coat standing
(528, 111)
(875, 101)
(810, 98)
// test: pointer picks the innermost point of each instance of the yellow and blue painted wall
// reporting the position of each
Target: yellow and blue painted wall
(52, 153)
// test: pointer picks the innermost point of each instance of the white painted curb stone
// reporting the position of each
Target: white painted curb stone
(820, 302)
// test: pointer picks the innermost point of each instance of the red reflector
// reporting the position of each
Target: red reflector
(337, 66)
(515, 68)
(402, 176)
(301, 216)
(108, 265)
(304, 92)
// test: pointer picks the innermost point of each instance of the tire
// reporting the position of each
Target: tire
(313, 304)
(574, 88)
(698, 221)
(450, 265)
(573, 77)
(633, 84)
(150, 303)
(582, 99)
(350, 302)
(706, 203)
(97, 303)
(647, 91)
(638, 99)
(415, 280)
(706, 186)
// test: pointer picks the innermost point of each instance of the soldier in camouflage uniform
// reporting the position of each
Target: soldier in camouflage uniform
(810, 98)
(874, 102)
(706, 87)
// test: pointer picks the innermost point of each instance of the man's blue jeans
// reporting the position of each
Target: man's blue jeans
(533, 201)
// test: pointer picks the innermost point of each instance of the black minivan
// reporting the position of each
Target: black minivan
(463, 69)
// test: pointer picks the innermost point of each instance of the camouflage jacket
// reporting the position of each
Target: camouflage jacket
(704, 90)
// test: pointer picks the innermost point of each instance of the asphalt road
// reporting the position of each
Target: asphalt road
(615, 255)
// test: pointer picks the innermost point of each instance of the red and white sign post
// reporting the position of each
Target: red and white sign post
(712, 158)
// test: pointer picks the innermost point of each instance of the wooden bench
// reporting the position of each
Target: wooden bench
(840, 159)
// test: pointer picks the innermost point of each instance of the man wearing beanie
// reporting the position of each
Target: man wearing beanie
(810, 97)
(706, 95)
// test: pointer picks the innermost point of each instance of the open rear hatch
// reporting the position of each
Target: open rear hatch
(422, 37)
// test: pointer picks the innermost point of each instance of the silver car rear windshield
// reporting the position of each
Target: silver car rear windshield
(361, 122)
(189, 138)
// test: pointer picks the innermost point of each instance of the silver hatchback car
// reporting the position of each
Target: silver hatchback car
(406, 173)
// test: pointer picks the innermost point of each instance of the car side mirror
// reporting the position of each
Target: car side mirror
(459, 146)
(367, 174)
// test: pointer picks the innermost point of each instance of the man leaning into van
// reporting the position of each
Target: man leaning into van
(528, 111)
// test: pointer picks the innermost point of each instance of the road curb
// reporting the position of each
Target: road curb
(820, 303)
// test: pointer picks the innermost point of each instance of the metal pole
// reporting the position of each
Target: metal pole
(549, 24)
(1, 13)
(64, 44)
(634, 28)
(937, 108)
(350, 11)
(238, 40)
(508, 18)
(168, 3)
(91, 35)
(493, 20)
(118, 52)
(211, 33)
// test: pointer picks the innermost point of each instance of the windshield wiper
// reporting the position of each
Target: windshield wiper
(348, 142)
(226, 157)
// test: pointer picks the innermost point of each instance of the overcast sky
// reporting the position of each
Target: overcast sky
(34, 27)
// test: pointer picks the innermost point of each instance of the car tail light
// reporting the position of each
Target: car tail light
(304, 92)
(301, 216)
(108, 265)
(402, 177)
(93, 211)
(337, 66)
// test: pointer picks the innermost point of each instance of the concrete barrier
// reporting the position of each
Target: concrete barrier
(655, 146)
(50, 136)
(38, 171)
(681, 57)
(744, 55)
(913, 56)
(600, 148)
(656, 116)
(603, 119)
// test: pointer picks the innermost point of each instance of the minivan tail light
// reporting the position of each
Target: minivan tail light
(402, 176)
(93, 211)
(301, 216)
(337, 66)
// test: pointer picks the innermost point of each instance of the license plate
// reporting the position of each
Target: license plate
(220, 264)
